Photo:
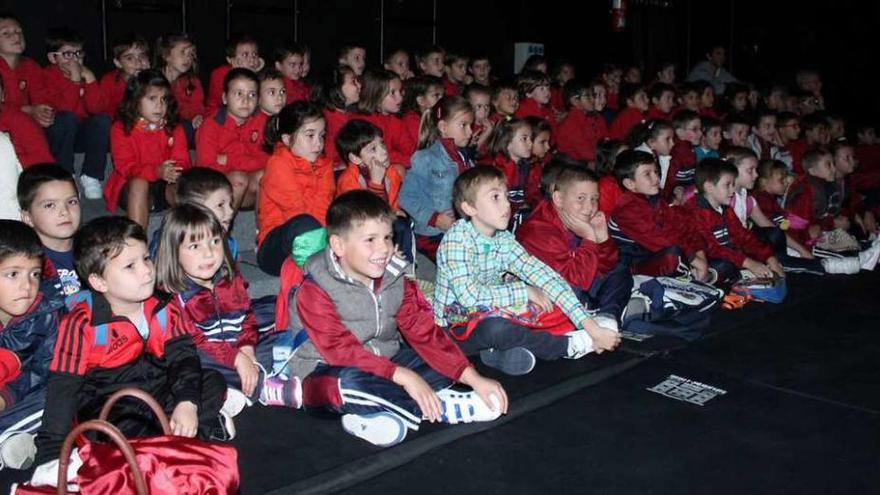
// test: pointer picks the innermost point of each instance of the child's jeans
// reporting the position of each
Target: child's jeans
(502, 334)
(609, 293)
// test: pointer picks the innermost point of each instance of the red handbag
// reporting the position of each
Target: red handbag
(165, 464)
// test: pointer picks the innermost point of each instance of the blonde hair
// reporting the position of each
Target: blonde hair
(186, 223)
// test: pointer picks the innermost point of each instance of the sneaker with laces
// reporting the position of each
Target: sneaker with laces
(579, 344)
(466, 407)
(515, 361)
(92, 187)
(224, 430)
(235, 402)
(869, 257)
(383, 429)
(279, 392)
(18, 451)
(844, 266)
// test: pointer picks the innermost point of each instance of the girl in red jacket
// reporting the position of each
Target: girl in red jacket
(194, 263)
(609, 189)
(231, 140)
(534, 94)
(420, 94)
(176, 58)
(337, 96)
(380, 101)
(148, 147)
(510, 149)
(583, 126)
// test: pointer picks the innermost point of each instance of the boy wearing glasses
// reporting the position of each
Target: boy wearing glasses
(76, 96)
(583, 127)
(22, 77)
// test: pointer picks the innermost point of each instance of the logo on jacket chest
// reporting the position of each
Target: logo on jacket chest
(22, 84)
(722, 235)
(254, 136)
(117, 341)
(170, 141)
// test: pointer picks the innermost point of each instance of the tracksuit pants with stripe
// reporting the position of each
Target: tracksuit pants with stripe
(349, 390)
(25, 416)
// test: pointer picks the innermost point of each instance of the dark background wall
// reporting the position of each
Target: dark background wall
(767, 40)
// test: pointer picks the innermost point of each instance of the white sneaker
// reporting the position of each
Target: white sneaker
(18, 451)
(606, 321)
(579, 344)
(235, 402)
(869, 257)
(466, 407)
(92, 187)
(844, 266)
(382, 428)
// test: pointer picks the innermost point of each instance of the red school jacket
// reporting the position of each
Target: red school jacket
(296, 90)
(529, 107)
(64, 95)
(580, 133)
(23, 85)
(215, 89)
(140, 153)
(579, 261)
(412, 122)
(450, 87)
(609, 194)
(652, 224)
(28, 139)
(624, 122)
(808, 198)
(335, 121)
(242, 144)
(397, 140)
(682, 168)
(724, 236)
(190, 96)
(113, 86)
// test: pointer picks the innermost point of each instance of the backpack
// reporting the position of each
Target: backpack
(670, 306)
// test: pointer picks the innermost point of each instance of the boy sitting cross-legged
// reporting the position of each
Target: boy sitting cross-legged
(358, 308)
(476, 293)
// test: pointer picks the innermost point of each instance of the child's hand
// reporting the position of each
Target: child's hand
(247, 370)
(169, 171)
(841, 222)
(776, 266)
(700, 267)
(87, 74)
(72, 69)
(580, 226)
(485, 388)
(814, 231)
(377, 171)
(678, 195)
(870, 222)
(444, 221)
(538, 298)
(43, 114)
(197, 121)
(604, 339)
(759, 269)
(185, 420)
(420, 392)
(600, 226)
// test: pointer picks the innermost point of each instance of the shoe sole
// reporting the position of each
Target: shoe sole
(514, 362)
(18, 451)
(382, 429)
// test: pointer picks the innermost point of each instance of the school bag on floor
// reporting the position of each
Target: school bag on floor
(670, 306)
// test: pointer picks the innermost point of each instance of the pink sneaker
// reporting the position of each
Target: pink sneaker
(283, 393)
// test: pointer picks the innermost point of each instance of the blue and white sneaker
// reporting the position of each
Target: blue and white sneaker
(382, 428)
(466, 407)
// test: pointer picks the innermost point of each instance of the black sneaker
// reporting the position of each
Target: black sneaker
(515, 361)
(224, 429)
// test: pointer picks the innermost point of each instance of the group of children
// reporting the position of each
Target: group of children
(538, 199)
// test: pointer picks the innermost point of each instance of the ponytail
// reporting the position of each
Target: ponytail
(646, 131)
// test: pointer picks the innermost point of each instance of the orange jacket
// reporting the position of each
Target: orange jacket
(292, 186)
(353, 179)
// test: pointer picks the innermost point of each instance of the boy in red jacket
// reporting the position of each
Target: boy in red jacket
(583, 127)
(534, 95)
(242, 51)
(815, 198)
(28, 139)
(654, 238)
(568, 233)
(683, 161)
(131, 54)
(662, 101)
(289, 62)
(729, 246)
(636, 100)
(22, 77)
(80, 121)
(455, 66)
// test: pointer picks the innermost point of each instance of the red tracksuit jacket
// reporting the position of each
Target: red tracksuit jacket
(24, 85)
(682, 168)
(654, 225)
(609, 194)
(296, 90)
(624, 122)
(769, 205)
(64, 95)
(113, 88)
(242, 144)
(139, 154)
(335, 121)
(724, 236)
(528, 107)
(579, 133)
(190, 96)
(215, 89)
(451, 88)
(812, 199)
(654, 113)
(579, 261)
(397, 139)
(28, 139)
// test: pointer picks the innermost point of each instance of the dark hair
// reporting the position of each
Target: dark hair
(762, 113)
(657, 90)
(445, 108)
(606, 155)
(552, 169)
(450, 58)
(354, 136)
(812, 156)
(164, 45)
(768, 168)
(356, 206)
(702, 86)
(6, 15)
(33, 177)
(736, 119)
(328, 92)
(269, 74)
(239, 39)
(345, 49)
(17, 238)
(646, 131)
(575, 88)
(101, 240)
(528, 80)
(197, 183)
(628, 161)
(557, 67)
(60, 36)
(733, 89)
(240, 73)
(415, 87)
(532, 63)
(628, 91)
(839, 145)
(136, 88)
(687, 87)
(503, 133)
(289, 120)
(683, 118)
(375, 85)
(786, 117)
(711, 170)
(573, 173)
(707, 123)
(474, 89)
(429, 50)
(736, 154)
(126, 41)
(186, 222)
(503, 85)
(812, 122)
(467, 183)
(288, 49)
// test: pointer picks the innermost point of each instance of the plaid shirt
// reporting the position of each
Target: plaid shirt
(473, 275)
